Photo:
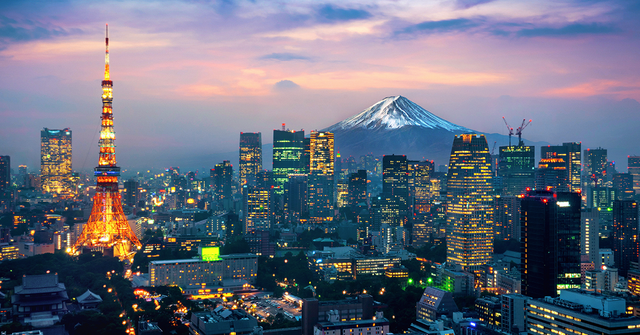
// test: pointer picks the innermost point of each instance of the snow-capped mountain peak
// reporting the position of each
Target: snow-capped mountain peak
(393, 113)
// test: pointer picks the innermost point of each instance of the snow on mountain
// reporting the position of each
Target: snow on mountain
(394, 113)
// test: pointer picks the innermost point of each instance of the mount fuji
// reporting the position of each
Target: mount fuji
(397, 125)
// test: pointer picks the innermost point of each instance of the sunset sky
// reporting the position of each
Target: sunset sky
(189, 76)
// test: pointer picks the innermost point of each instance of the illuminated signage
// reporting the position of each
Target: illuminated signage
(210, 254)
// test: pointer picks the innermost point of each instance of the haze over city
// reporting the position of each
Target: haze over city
(189, 76)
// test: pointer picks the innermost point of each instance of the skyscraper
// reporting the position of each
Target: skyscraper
(358, 191)
(516, 167)
(469, 203)
(395, 189)
(131, 193)
(5, 174)
(321, 170)
(507, 218)
(625, 234)
(633, 163)
(107, 227)
(55, 162)
(539, 246)
(250, 157)
(321, 152)
(288, 152)
(596, 165)
(623, 184)
(420, 185)
(569, 275)
(257, 209)
(574, 150)
(221, 177)
(553, 174)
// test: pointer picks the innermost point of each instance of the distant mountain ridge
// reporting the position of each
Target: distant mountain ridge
(397, 125)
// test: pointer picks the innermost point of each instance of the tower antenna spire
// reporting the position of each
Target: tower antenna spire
(106, 55)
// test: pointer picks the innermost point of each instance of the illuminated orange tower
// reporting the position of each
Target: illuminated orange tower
(107, 228)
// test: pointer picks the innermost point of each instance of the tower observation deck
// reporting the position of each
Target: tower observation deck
(107, 229)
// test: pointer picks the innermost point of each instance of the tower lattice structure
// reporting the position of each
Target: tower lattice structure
(107, 227)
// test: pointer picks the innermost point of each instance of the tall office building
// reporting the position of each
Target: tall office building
(590, 236)
(569, 224)
(550, 236)
(625, 234)
(596, 166)
(574, 155)
(357, 190)
(539, 246)
(288, 156)
(321, 170)
(623, 184)
(553, 174)
(221, 178)
(469, 203)
(257, 209)
(507, 218)
(420, 185)
(395, 189)
(5, 174)
(320, 197)
(250, 157)
(633, 164)
(321, 152)
(297, 190)
(55, 162)
(131, 193)
(570, 154)
(516, 167)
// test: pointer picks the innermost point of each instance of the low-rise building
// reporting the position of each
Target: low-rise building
(581, 312)
(222, 321)
(435, 303)
(333, 326)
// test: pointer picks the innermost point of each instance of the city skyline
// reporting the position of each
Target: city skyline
(193, 74)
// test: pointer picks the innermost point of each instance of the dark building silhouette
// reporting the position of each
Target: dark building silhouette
(625, 234)
(5, 174)
(250, 157)
(358, 191)
(221, 178)
(539, 247)
(507, 218)
(297, 202)
(395, 189)
(553, 174)
(596, 165)
(623, 184)
(131, 195)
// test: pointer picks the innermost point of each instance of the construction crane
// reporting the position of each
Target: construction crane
(519, 131)
(493, 150)
(509, 129)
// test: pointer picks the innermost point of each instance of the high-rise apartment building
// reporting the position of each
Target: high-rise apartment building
(55, 162)
(250, 157)
(596, 166)
(574, 150)
(590, 236)
(516, 167)
(625, 234)
(469, 203)
(288, 156)
(633, 164)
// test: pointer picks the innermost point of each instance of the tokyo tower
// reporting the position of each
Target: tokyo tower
(107, 229)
